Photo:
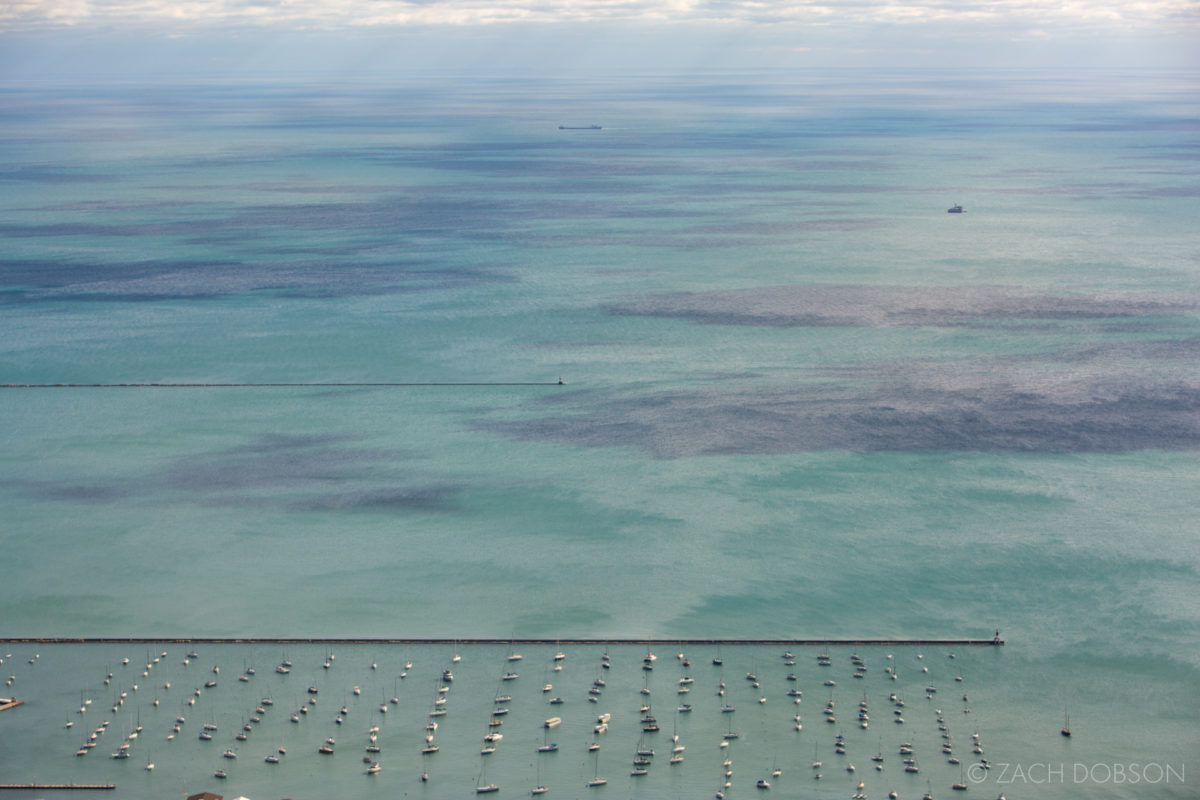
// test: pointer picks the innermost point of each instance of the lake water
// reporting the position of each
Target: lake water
(798, 399)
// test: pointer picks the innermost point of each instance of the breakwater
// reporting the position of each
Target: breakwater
(34, 787)
(996, 641)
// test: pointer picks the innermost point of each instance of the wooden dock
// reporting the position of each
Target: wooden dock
(7, 704)
(995, 641)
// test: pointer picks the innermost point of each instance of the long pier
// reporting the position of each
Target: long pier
(316, 384)
(995, 641)
(34, 787)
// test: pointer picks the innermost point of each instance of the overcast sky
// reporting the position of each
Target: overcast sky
(59, 37)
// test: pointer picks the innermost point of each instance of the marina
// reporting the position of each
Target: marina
(771, 722)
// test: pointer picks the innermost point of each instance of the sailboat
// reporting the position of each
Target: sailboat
(596, 779)
(485, 788)
(961, 784)
(1066, 728)
(541, 787)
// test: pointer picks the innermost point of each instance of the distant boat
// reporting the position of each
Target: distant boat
(579, 127)
(955, 209)
(1066, 728)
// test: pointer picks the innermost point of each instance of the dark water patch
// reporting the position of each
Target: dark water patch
(271, 463)
(85, 492)
(54, 229)
(310, 188)
(286, 442)
(118, 205)
(883, 306)
(54, 274)
(304, 473)
(784, 228)
(423, 498)
(91, 491)
(156, 281)
(426, 213)
(1192, 190)
(49, 174)
(1145, 352)
(925, 412)
(566, 520)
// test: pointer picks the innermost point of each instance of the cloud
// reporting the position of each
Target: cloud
(87, 38)
(350, 13)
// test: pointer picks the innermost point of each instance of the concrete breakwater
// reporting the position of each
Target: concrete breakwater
(996, 641)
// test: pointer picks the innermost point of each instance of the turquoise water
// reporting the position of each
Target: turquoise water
(799, 400)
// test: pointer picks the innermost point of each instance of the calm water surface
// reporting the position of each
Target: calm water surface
(799, 399)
